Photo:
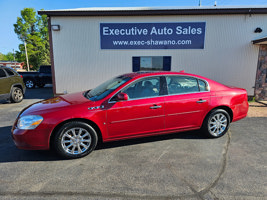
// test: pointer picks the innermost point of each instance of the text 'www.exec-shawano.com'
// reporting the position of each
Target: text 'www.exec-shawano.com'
(151, 42)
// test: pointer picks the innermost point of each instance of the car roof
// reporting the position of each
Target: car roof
(159, 73)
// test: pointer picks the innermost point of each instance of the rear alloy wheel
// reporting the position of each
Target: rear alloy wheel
(75, 140)
(216, 123)
(16, 95)
(29, 84)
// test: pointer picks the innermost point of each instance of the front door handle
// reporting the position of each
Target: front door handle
(155, 107)
(201, 101)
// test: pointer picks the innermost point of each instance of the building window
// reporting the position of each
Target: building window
(152, 63)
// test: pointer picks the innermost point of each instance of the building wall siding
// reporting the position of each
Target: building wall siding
(229, 56)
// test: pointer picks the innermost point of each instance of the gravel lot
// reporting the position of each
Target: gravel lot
(177, 166)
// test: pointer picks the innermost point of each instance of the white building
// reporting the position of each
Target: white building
(91, 45)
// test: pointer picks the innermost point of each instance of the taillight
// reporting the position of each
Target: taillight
(21, 76)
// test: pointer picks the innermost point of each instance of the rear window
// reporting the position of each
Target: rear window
(10, 72)
(2, 73)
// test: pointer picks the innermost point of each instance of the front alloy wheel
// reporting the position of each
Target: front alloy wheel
(216, 123)
(75, 140)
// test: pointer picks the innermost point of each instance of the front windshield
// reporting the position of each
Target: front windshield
(106, 88)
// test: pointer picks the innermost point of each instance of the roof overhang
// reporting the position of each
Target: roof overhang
(143, 11)
(262, 40)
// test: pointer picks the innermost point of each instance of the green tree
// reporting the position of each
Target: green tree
(33, 29)
(8, 57)
(2, 56)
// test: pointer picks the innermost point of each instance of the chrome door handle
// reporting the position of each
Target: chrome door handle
(201, 101)
(155, 107)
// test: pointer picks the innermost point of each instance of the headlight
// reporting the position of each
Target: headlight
(29, 122)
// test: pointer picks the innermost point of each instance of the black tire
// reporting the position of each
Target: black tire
(67, 140)
(16, 95)
(216, 123)
(29, 83)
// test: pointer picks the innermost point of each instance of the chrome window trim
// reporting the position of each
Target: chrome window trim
(208, 87)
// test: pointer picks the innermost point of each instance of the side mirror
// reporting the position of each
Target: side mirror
(122, 96)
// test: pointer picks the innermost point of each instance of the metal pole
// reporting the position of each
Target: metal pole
(26, 56)
(14, 59)
(199, 3)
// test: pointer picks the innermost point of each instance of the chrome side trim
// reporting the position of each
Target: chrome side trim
(113, 122)
(184, 113)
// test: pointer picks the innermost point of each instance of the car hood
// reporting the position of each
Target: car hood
(57, 103)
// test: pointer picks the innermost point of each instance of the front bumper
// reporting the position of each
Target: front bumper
(36, 139)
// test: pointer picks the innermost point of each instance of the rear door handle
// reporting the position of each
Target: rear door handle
(155, 107)
(201, 101)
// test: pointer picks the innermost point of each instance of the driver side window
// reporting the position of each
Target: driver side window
(144, 88)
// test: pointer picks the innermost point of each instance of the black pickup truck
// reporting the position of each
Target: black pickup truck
(40, 78)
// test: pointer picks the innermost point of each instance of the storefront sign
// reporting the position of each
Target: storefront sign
(187, 35)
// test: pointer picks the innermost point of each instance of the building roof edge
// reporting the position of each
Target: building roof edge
(137, 11)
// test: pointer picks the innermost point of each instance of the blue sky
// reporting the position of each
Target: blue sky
(10, 10)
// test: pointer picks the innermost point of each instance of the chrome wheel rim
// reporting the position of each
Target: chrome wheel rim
(29, 84)
(217, 124)
(76, 141)
(18, 95)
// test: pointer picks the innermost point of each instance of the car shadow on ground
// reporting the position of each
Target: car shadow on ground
(181, 135)
(10, 153)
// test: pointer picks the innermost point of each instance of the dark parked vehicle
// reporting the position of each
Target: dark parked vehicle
(40, 78)
(11, 85)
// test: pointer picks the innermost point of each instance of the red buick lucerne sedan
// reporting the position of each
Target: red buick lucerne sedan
(127, 106)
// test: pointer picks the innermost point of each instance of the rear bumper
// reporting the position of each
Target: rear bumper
(240, 111)
(239, 117)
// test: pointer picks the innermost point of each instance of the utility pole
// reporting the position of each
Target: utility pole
(26, 56)
(14, 60)
(23, 38)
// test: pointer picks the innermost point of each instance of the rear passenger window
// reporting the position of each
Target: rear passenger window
(10, 73)
(202, 86)
(181, 84)
(2, 73)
